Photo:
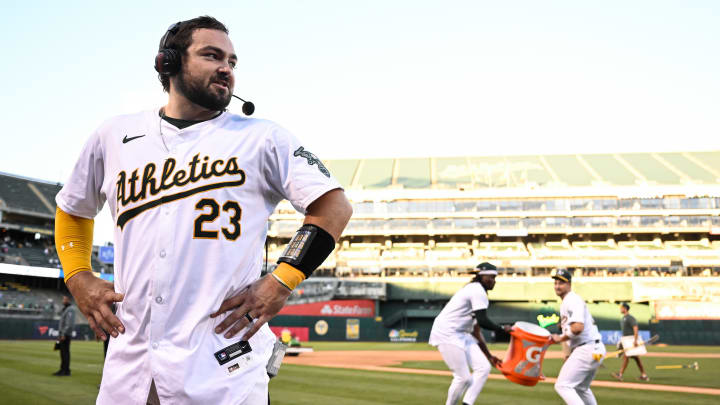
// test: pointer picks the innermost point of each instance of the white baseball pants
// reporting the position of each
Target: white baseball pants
(573, 382)
(460, 361)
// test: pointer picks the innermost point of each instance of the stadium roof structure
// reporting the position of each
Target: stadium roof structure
(531, 171)
(28, 196)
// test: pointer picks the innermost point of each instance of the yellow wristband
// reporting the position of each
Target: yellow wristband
(288, 275)
(73, 242)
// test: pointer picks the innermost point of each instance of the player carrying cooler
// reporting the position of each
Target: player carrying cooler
(587, 349)
(190, 188)
(456, 334)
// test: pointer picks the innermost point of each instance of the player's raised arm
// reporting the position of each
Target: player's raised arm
(324, 222)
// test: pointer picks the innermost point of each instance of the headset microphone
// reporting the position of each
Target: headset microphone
(248, 108)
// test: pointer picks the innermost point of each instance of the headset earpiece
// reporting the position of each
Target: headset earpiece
(168, 60)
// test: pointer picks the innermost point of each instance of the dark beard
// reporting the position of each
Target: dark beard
(200, 95)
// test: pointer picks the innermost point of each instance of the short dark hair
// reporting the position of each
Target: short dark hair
(626, 306)
(182, 39)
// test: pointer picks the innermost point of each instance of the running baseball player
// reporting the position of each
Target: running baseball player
(190, 188)
(629, 327)
(586, 347)
(456, 334)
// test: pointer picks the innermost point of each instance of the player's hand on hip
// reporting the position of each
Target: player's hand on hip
(94, 297)
(260, 302)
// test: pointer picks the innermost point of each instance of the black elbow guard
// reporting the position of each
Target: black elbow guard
(308, 249)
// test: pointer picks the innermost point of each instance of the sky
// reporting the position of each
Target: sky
(364, 79)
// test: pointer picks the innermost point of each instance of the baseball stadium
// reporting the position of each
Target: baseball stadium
(635, 228)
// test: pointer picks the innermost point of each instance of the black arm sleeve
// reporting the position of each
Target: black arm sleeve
(484, 322)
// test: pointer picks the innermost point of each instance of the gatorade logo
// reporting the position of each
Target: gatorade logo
(533, 354)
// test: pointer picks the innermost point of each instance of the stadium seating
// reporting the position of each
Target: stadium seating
(710, 161)
(652, 170)
(343, 170)
(583, 170)
(453, 173)
(499, 250)
(569, 170)
(404, 255)
(684, 164)
(359, 255)
(610, 170)
(18, 193)
(19, 300)
(376, 173)
(413, 173)
(525, 212)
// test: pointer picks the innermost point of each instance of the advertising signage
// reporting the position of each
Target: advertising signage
(344, 308)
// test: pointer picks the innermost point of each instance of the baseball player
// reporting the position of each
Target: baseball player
(586, 347)
(629, 327)
(456, 334)
(190, 188)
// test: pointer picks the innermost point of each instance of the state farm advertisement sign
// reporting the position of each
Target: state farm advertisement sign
(346, 308)
(687, 310)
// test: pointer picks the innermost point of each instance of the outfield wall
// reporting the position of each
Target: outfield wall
(19, 328)
(415, 327)
(682, 310)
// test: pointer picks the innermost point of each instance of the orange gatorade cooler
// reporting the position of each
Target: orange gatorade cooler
(523, 361)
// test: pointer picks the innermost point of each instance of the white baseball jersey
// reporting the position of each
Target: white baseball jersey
(578, 371)
(574, 309)
(455, 321)
(191, 208)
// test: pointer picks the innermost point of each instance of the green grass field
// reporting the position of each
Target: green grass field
(26, 367)
(707, 377)
(492, 346)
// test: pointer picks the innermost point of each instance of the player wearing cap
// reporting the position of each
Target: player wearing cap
(456, 334)
(587, 349)
(190, 188)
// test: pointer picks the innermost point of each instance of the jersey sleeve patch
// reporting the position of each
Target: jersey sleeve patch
(312, 160)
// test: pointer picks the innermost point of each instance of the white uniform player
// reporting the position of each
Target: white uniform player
(191, 208)
(585, 341)
(456, 334)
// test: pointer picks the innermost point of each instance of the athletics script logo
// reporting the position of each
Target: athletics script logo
(312, 160)
(142, 186)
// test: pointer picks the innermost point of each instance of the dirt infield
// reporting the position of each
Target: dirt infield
(380, 360)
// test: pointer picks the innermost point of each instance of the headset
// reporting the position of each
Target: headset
(169, 60)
